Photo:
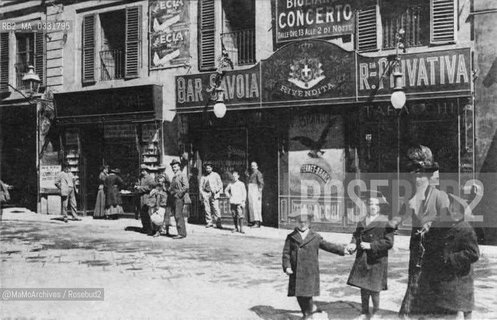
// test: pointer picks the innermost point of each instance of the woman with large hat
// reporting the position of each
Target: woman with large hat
(425, 207)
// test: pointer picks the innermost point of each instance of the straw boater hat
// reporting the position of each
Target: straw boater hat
(175, 162)
(421, 160)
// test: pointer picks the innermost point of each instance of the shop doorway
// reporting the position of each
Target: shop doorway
(263, 149)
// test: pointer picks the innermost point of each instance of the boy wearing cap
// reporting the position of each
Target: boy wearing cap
(300, 261)
(372, 240)
(237, 193)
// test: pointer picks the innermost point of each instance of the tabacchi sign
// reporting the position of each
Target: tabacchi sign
(312, 19)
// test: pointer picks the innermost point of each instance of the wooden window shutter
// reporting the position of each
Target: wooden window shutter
(367, 29)
(40, 60)
(443, 21)
(133, 41)
(206, 35)
(4, 61)
(88, 64)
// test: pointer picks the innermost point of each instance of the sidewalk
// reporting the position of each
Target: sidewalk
(22, 214)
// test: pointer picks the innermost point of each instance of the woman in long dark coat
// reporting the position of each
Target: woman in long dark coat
(424, 207)
(99, 211)
(300, 261)
(372, 239)
(113, 202)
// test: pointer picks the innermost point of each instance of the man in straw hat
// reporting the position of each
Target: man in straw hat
(303, 268)
(147, 183)
(177, 190)
(66, 182)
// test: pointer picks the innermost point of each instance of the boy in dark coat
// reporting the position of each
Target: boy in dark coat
(300, 261)
(372, 240)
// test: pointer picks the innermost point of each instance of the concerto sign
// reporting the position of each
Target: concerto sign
(312, 19)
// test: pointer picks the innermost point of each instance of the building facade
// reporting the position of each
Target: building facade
(308, 97)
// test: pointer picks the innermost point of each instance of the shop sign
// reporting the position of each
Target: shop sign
(312, 19)
(48, 174)
(426, 72)
(119, 131)
(138, 100)
(308, 70)
(169, 33)
(239, 86)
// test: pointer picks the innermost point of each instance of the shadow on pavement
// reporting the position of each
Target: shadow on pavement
(270, 313)
(334, 310)
(134, 229)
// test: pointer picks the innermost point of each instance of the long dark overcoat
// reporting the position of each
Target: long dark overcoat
(370, 266)
(301, 255)
(112, 186)
(447, 271)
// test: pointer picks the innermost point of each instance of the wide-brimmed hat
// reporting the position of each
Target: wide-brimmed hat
(301, 215)
(175, 162)
(374, 194)
(421, 160)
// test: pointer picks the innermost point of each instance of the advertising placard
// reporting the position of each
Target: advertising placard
(313, 19)
(169, 33)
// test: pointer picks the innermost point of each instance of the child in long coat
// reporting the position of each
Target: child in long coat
(372, 240)
(300, 261)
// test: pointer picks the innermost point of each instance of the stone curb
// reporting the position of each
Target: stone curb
(401, 241)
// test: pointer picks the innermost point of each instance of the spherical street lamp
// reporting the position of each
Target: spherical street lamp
(219, 109)
(398, 99)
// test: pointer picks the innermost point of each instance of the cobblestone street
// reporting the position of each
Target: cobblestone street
(212, 274)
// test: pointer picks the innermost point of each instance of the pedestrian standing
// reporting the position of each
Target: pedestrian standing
(177, 191)
(255, 186)
(158, 203)
(372, 239)
(300, 261)
(66, 182)
(113, 202)
(99, 211)
(164, 182)
(147, 183)
(237, 194)
(447, 271)
(426, 204)
(211, 187)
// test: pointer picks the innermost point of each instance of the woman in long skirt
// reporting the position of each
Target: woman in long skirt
(99, 211)
(113, 202)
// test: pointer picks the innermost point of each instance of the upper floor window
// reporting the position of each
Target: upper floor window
(116, 37)
(425, 22)
(29, 50)
(237, 34)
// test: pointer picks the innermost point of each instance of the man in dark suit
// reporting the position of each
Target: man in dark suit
(177, 190)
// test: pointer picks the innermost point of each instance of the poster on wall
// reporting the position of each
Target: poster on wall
(48, 174)
(316, 165)
(169, 33)
(298, 20)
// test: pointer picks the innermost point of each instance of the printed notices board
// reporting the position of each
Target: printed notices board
(48, 174)
(313, 19)
(169, 33)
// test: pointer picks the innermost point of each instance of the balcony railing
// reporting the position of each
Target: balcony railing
(411, 20)
(240, 46)
(112, 64)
